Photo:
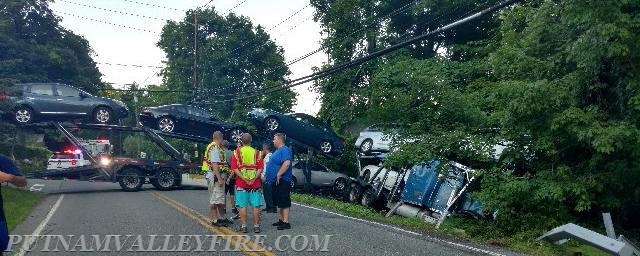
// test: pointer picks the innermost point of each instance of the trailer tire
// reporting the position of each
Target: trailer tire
(131, 179)
(166, 179)
(354, 193)
(368, 197)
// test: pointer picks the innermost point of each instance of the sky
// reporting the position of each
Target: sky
(131, 40)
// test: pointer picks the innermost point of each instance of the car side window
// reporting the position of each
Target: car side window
(42, 89)
(65, 91)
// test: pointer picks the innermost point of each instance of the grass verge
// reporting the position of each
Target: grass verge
(18, 204)
(458, 228)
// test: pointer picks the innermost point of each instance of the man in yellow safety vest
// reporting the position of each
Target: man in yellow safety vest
(247, 165)
(215, 165)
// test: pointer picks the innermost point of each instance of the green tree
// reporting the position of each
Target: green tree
(557, 80)
(35, 48)
(234, 57)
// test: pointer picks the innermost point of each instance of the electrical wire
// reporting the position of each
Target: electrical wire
(271, 28)
(109, 23)
(129, 65)
(153, 5)
(380, 19)
(120, 12)
(360, 60)
(233, 8)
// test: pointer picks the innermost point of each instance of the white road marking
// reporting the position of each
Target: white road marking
(471, 248)
(32, 238)
(366, 221)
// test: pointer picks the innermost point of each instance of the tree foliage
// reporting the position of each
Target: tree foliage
(35, 48)
(234, 57)
(556, 80)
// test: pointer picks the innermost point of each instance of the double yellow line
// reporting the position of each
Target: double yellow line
(224, 232)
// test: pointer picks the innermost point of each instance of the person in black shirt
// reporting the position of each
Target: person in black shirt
(8, 173)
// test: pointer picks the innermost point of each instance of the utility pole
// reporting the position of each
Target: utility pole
(195, 56)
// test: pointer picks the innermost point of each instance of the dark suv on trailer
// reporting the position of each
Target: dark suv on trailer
(49, 101)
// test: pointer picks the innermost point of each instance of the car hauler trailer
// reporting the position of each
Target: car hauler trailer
(130, 173)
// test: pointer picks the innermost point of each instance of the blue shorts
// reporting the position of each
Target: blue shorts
(248, 198)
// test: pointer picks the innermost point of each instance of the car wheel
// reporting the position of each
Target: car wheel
(272, 124)
(236, 135)
(340, 184)
(326, 147)
(102, 115)
(23, 115)
(166, 179)
(166, 124)
(368, 197)
(131, 180)
(354, 193)
(293, 183)
(366, 146)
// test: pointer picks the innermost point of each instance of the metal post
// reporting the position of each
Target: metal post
(608, 225)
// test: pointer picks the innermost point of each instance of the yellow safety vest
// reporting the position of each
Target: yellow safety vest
(247, 160)
(224, 167)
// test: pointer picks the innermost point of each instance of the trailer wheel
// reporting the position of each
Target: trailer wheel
(368, 197)
(166, 179)
(131, 179)
(354, 193)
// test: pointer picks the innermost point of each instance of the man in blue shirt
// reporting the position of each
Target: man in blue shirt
(8, 173)
(279, 174)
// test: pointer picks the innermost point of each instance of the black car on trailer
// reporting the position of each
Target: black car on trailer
(187, 119)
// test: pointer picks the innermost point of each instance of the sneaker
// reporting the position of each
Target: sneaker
(256, 229)
(243, 230)
(284, 226)
(235, 211)
(280, 222)
(235, 217)
(219, 223)
(228, 221)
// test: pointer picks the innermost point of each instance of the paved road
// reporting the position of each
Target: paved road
(85, 208)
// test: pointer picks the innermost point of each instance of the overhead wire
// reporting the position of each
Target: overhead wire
(154, 5)
(360, 60)
(109, 23)
(377, 20)
(271, 28)
(380, 19)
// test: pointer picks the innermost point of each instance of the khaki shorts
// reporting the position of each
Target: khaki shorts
(216, 193)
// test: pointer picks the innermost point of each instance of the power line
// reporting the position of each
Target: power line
(307, 55)
(233, 8)
(120, 12)
(109, 23)
(129, 65)
(207, 4)
(273, 27)
(360, 60)
(153, 5)
(113, 11)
